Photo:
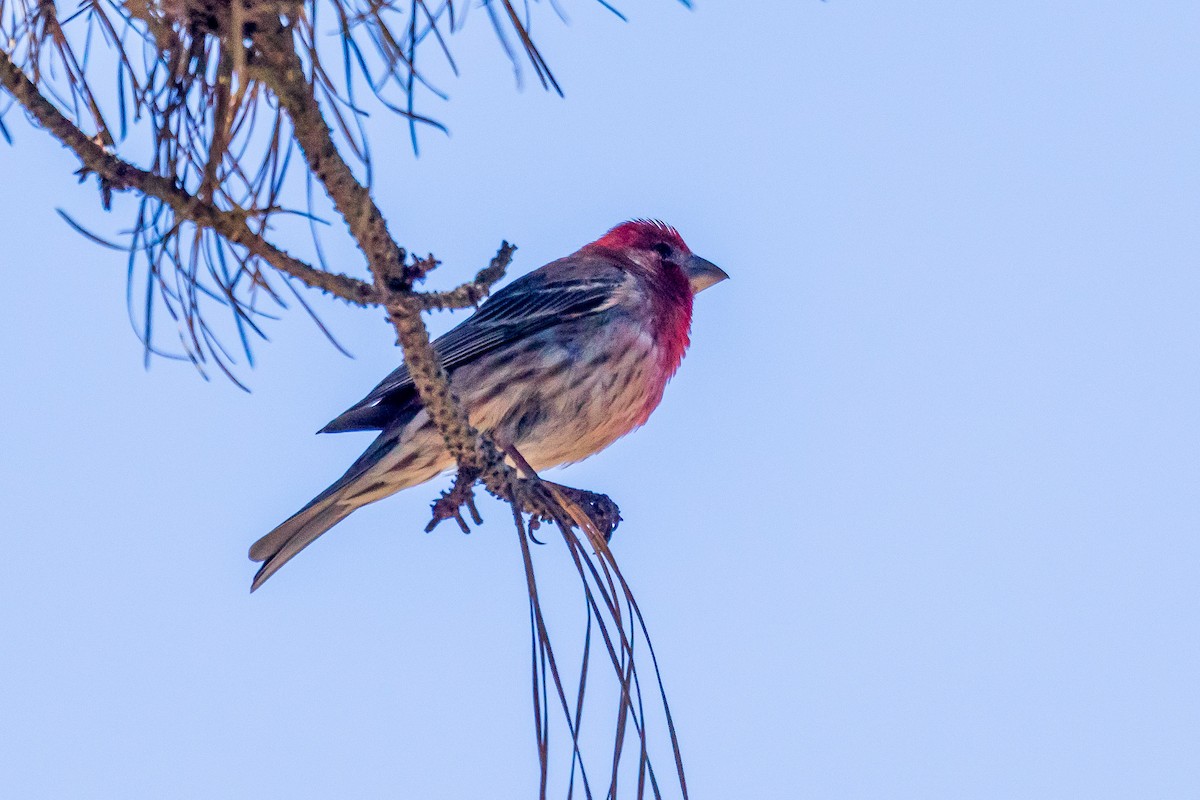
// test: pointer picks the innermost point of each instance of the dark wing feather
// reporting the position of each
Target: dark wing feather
(524, 307)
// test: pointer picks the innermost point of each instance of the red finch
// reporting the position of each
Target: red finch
(559, 364)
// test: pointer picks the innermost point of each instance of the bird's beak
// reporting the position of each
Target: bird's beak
(702, 273)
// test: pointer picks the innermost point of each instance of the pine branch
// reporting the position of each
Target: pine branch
(280, 68)
(116, 174)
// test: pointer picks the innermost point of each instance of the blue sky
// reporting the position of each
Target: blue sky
(917, 518)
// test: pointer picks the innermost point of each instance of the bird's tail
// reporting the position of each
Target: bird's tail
(362, 484)
(299, 531)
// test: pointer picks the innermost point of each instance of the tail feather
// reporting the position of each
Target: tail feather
(282, 544)
(354, 489)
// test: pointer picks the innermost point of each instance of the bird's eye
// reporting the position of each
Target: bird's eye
(663, 249)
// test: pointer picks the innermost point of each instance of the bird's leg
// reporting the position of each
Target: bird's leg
(451, 503)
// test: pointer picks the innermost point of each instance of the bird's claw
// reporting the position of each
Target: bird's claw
(599, 508)
(452, 502)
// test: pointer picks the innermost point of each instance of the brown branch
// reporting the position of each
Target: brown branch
(276, 63)
(473, 292)
(466, 446)
(117, 174)
(280, 68)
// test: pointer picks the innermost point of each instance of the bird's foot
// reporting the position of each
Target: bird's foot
(599, 508)
(452, 502)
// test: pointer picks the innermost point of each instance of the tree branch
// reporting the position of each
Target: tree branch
(195, 123)
(473, 292)
(386, 259)
(280, 68)
(115, 173)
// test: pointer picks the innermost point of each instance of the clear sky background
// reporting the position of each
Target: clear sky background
(919, 517)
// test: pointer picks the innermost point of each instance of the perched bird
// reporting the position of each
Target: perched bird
(559, 364)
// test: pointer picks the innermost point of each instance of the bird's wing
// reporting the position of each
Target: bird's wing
(537, 301)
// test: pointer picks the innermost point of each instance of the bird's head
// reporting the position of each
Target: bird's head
(656, 244)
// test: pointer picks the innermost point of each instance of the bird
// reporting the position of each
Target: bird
(558, 364)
